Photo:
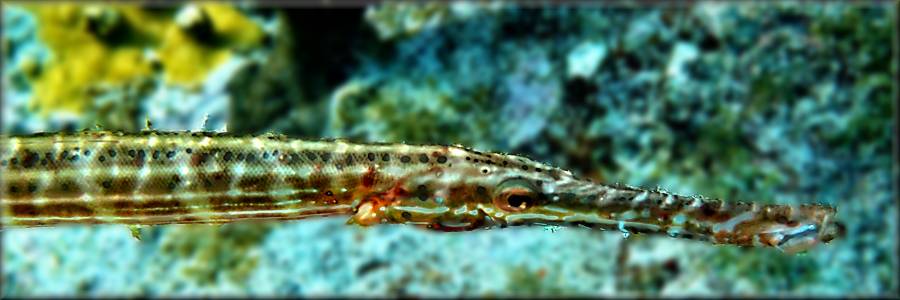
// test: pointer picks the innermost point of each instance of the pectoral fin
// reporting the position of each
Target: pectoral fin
(135, 231)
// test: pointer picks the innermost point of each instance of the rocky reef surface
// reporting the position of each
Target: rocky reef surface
(777, 104)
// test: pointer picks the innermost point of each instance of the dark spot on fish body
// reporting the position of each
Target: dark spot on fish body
(422, 192)
(441, 159)
(112, 153)
(370, 156)
(657, 200)
(385, 157)
(325, 156)
(405, 159)
(406, 215)
(30, 159)
(158, 185)
(712, 212)
(170, 154)
(62, 187)
(423, 158)
(481, 191)
(708, 209)
(141, 154)
(349, 159)
(119, 186)
(310, 155)
(156, 154)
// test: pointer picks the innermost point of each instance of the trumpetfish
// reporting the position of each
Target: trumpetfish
(156, 177)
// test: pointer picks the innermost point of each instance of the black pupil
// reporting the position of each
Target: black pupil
(518, 200)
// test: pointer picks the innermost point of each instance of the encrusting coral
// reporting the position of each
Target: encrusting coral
(101, 47)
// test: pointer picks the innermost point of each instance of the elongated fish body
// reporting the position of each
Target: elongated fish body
(154, 177)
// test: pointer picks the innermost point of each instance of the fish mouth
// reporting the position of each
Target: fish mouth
(804, 237)
(831, 229)
(791, 228)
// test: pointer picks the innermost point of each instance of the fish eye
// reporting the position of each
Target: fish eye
(519, 201)
(515, 195)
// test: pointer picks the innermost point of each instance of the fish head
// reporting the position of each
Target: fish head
(488, 190)
(474, 190)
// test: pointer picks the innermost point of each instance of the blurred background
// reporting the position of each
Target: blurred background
(778, 103)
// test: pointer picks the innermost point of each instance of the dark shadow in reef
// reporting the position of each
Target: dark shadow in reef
(317, 53)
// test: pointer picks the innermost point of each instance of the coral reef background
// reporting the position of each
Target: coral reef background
(786, 103)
